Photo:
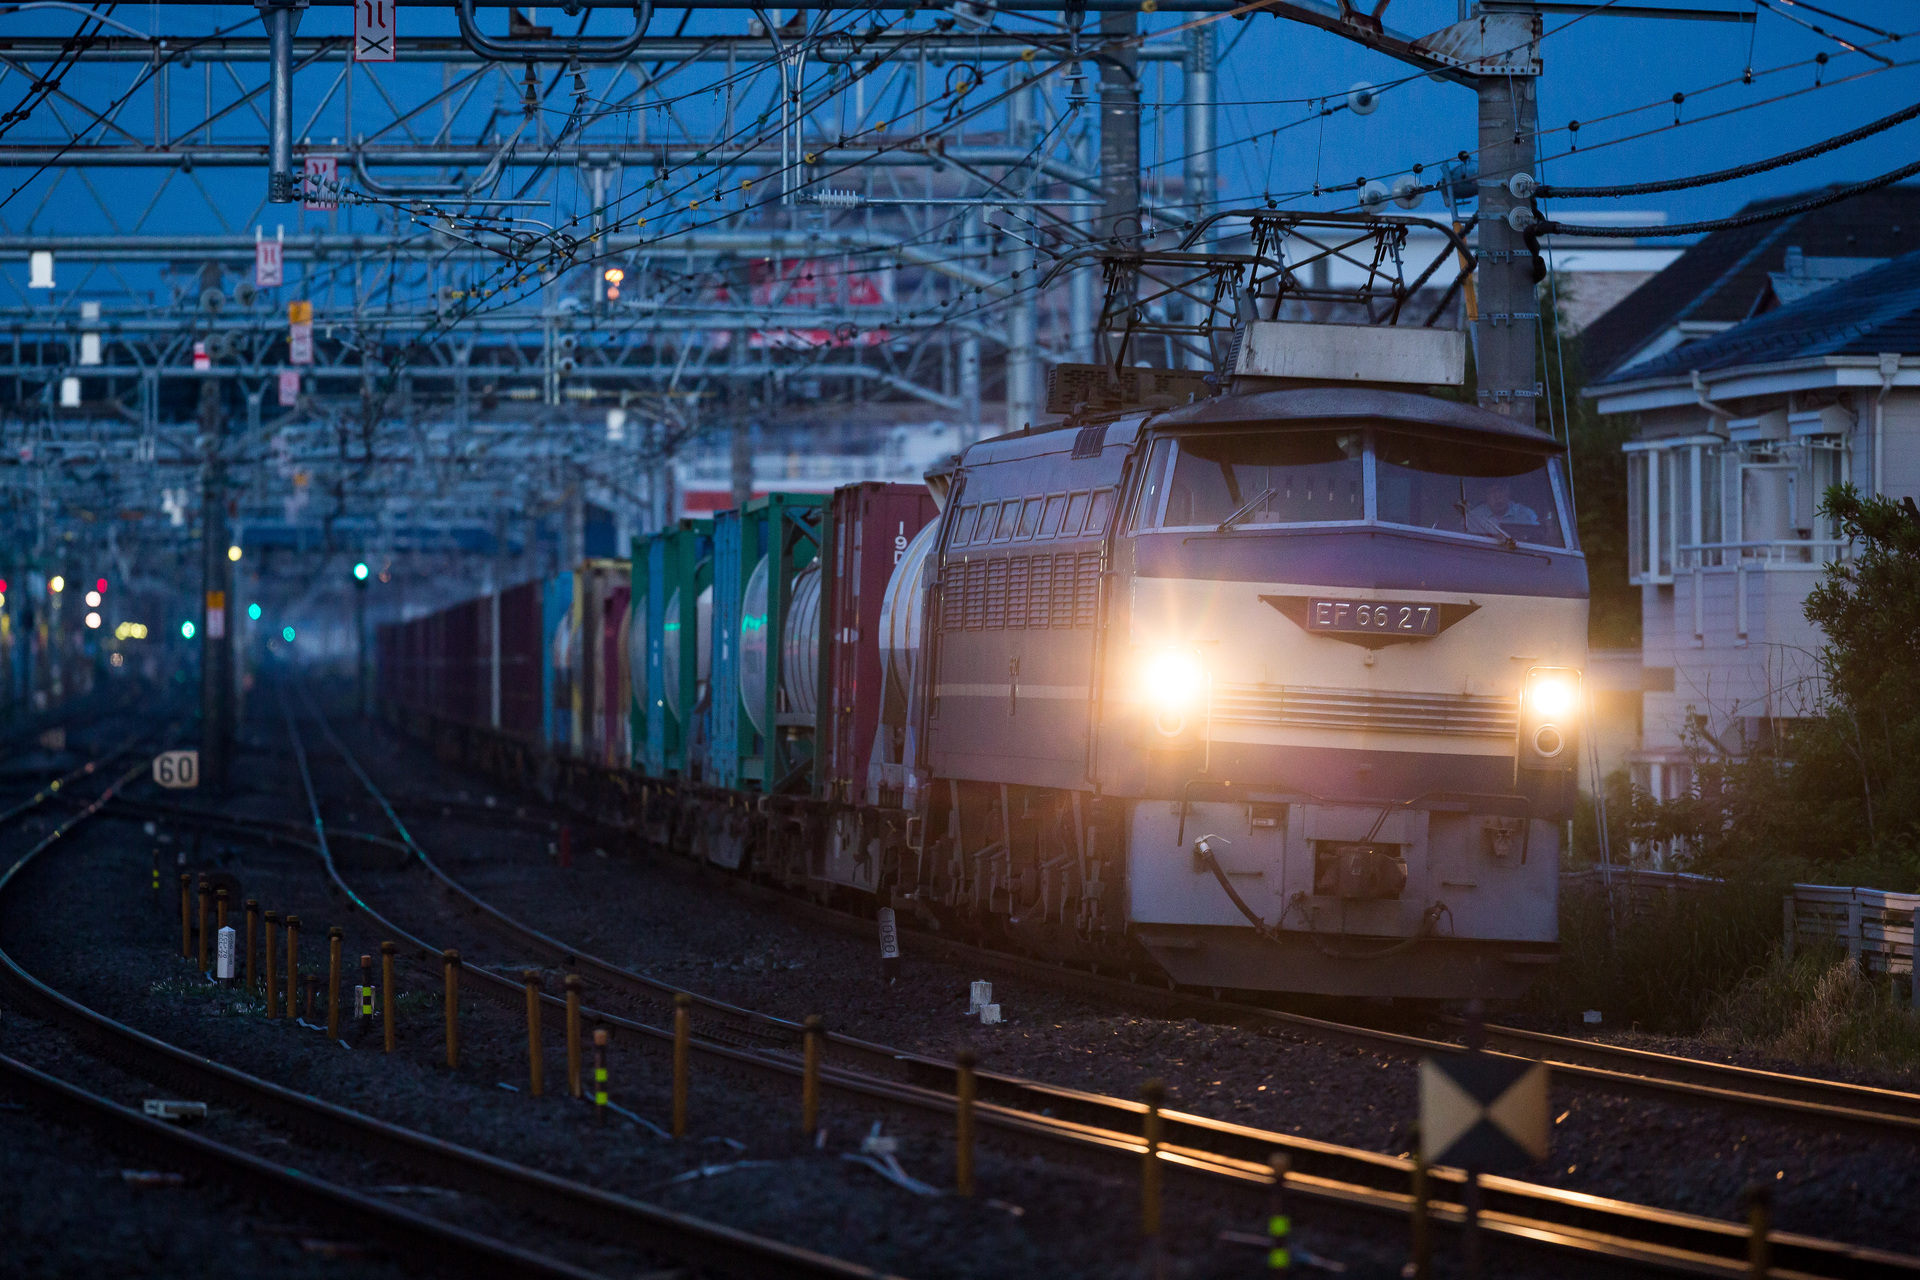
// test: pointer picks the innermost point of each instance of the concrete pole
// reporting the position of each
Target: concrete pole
(1120, 223)
(1023, 353)
(1506, 332)
(1199, 181)
(216, 637)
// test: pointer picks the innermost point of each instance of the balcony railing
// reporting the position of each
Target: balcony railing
(1794, 553)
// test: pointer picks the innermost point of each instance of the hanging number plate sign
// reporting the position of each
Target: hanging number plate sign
(373, 30)
(299, 333)
(177, 769)
(321, 179)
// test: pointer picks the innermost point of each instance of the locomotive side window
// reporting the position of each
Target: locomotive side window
(1097, 512)
(1050, 519)
(1469, 489)
(1009, 518)
(963, 526)
(1298, 477)
(1030, 516)
(1076, 515)
(1153, 491)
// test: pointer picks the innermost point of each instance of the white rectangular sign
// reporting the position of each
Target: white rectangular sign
(374, 22)
(321, 183)
(223, 957)
(889, 934)
(176, 769)
(300, 344)
(290, 382)
(268, 264)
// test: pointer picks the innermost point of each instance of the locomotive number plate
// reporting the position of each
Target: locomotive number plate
(1374, 617)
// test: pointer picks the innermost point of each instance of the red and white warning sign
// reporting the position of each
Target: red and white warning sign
(269, 270)
(374, 22)
(290, 381)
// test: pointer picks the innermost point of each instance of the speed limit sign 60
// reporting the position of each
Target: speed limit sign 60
(177, 769)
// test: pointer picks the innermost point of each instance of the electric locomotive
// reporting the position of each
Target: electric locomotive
(1276, 689)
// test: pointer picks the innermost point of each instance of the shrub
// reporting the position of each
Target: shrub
(1819, 1007)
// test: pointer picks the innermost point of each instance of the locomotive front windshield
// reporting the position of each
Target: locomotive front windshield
(1320, 477)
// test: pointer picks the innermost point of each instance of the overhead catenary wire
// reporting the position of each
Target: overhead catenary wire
(1833, 196)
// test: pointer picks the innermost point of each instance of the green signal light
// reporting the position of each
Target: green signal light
(360, 571)
(253, 611)
(186, 629)
(287, 633)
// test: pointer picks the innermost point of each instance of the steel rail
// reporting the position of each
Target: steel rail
(1231, 1153)
(426, 1242)
(570, 1203)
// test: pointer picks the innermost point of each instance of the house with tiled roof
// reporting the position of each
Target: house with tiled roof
(1738, 434)
(1731, 276)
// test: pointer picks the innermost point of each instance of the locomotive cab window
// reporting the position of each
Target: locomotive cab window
(1029, 517)
(963, 526)
(1459, 488)
(1270, 478)
(1050, 519)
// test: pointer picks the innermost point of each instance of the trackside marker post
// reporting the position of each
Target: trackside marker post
(1279, 1220)
(364, 995)
(386, 990)
(682, 1033)
(1153, 1093)
(889, 944)
(223, 957)
(963, 1089)
(452, 959)
(220, 910)
(811, 1031)
(206, 898)
(186, 916)
(293, 967)
(600, 1074)
(334, 940)
(253, 933)
(573, 1034)
(1759, 1199)
(536, 1066)
(273, 983)
(1422, 1261)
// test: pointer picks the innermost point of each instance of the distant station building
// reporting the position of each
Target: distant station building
(1763, 366)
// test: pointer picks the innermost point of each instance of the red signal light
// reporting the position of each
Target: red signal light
(101, 585)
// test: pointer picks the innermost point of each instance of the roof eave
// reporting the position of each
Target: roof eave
(1736, 381)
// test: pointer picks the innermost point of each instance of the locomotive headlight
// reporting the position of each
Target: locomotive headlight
(1173, 684)
(1549, 718)
(1552, 693)
(1173, 679)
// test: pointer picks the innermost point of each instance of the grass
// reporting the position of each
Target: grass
(1665, 960)
(1820, 1008)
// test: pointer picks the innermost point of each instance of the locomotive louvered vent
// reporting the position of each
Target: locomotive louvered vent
(1057, 591)
(1462, 713)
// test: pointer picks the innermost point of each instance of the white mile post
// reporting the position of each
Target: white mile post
(889, 945)
(223, 958)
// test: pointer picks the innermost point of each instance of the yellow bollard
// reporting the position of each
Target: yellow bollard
(186, 916)
(536, 1066)
(1153, 1093)
(812, 1028)
(963, 1091)
(253, 920)
(293, 967)
(1422, 1222)
(206, 896)
(334, 938)
(1759, 1230)
(682, 1033)
(386, 989)
(573, 1034)
(452, 959)
(273, 985)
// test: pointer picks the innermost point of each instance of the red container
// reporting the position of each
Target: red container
(520, 660)
(872, 525)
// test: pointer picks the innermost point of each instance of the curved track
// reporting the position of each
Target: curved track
(426, 1241)
(1227, 1154)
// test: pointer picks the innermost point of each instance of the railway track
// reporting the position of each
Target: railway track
(1106, 1128)
(425, 1241)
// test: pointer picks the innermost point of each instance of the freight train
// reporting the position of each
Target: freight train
(1276, 690)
